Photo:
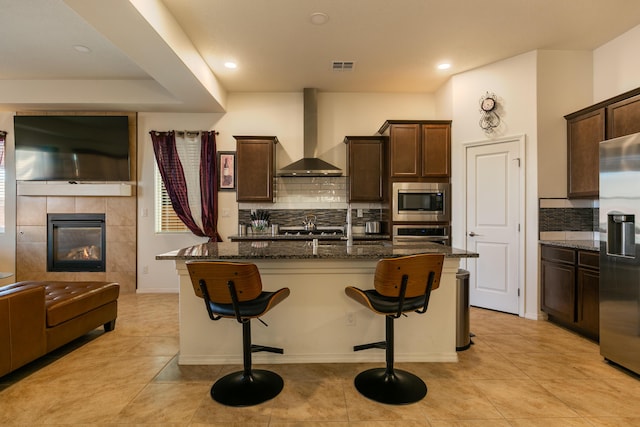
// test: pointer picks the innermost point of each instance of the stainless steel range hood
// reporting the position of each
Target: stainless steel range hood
(310, 165)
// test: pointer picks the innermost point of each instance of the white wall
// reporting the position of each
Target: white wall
(276, 114)
(342, 114)
(161, 276)
(616, 65)
(445, 101)
(535, 90)
(565, 85)
(514, 82)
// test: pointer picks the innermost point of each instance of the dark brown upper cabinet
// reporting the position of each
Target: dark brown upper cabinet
(586, 128)
(419, 149)
(436, 150)
(584, 133)
(366, 156)
(623, 117)
(255, 168)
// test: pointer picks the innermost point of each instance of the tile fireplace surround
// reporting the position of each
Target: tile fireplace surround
(34, 202)
(31, 244)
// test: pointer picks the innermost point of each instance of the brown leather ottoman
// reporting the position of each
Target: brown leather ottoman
(72, 307)
(39, 316)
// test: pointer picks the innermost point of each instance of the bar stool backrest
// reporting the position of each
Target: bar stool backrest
(217, 275)
(389, 272)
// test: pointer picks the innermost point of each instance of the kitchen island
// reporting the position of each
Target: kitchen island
(318, 323)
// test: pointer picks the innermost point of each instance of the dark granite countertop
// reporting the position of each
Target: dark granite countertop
(588, 245)
(307, 237)
(304, 250)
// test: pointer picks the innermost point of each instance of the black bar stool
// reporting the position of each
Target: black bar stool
(401, 285)
(234, 290)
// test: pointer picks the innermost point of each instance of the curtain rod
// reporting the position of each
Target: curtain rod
(182, 132)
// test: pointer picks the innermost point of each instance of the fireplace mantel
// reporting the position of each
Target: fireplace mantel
(63, 188)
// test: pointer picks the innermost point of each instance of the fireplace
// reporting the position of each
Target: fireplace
(76, 242)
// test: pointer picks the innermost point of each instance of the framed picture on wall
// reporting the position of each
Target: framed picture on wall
(227, 170)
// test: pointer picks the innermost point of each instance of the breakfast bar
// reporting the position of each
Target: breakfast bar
(318, 322)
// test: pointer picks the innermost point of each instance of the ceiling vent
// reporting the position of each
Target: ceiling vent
(342, 65)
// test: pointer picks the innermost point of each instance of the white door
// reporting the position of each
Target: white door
(493, 228)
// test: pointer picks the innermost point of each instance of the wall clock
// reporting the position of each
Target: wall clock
(489, 118)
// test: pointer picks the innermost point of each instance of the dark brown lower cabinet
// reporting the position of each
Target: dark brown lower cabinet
(559, 283)
(588, 291)
(570, 288)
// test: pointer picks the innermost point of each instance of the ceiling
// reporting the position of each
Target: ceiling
(168, 55)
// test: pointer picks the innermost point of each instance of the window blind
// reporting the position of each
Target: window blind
(166, 219)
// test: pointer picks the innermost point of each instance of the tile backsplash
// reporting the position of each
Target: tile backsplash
(568, 219)
(324, 197)
(324, 217)
(310, 193)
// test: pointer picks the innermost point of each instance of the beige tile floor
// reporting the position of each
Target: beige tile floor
(518, 373)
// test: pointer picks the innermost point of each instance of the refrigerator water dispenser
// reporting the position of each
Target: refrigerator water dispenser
(621, 236)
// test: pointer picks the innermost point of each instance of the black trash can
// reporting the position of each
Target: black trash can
(463, 333)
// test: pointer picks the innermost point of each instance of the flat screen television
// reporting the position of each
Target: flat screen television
(72, 148)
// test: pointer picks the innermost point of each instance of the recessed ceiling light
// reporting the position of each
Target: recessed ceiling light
(319, 18)
(444, 66)
(81, 48)
(231, 65)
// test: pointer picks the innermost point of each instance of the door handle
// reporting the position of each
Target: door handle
(472, 234)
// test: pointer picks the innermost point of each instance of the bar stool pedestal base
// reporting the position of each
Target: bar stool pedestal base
(238, 389)
(397, 388)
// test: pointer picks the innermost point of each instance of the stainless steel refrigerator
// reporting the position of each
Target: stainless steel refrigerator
(620, 251)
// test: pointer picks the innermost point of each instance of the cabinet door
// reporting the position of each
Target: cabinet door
(366, 169)
(436, 150)
(584, 133)
(588, 293)
(255, 160)
(558, 290)
(623, 117)
(405, 150)
(588, 313)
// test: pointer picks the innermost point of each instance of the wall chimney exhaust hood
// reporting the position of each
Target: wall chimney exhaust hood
(310, 165)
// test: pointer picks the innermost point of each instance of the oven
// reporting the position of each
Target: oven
(410, 234)
(421, 201)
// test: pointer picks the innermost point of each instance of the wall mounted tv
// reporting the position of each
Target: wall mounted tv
(72, 148)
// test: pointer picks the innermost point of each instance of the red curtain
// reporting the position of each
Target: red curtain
(173, 176)
(209, 185)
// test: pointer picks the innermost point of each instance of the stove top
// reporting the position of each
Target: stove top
(319, 231)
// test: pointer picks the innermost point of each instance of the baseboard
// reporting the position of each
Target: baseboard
(156, 291)
(359, 357)
(536, 316)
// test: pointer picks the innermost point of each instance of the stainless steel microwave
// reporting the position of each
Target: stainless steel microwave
(421, 201)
